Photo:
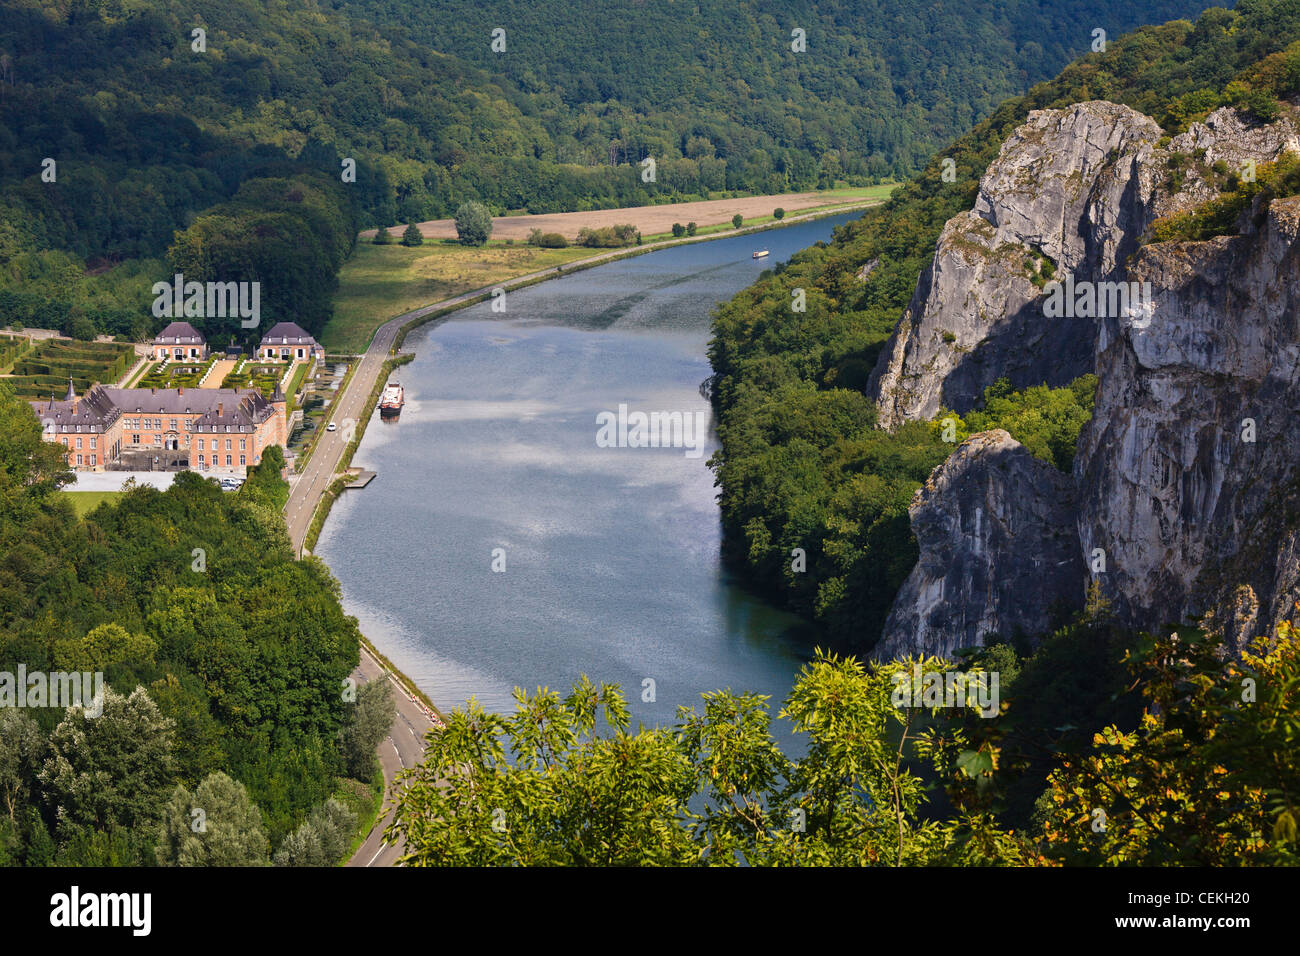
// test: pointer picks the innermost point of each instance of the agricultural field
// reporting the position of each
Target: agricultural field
(46, 368)
(658, 219)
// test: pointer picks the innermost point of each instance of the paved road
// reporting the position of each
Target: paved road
(315, 479)
(401, 749)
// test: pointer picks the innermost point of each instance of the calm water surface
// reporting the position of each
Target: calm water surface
(611, 554)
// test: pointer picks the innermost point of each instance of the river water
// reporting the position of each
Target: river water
(610, 554)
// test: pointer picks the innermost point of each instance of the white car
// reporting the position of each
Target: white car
(331, 427)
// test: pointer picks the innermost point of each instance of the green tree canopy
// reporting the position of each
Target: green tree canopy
(473, 223)
(216, 825)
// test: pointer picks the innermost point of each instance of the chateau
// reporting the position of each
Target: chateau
(284, 342)
(179, 341)
(204, 429)
(287, 342)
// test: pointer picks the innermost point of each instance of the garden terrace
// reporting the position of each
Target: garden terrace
(47, 368)
(182, 374)
(259, 375)
(12, 348)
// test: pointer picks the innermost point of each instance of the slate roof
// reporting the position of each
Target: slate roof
(94, 412)
(179, 333)
(219, 409)
(287, 333)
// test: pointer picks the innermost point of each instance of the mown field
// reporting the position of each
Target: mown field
(87, 501)
(379, 282)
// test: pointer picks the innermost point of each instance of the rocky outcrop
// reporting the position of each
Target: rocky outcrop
(1223, 138)
(999, 554)
(1193, 445)
(1070, 185)
(1186, 481)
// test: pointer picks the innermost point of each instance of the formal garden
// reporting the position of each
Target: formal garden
(12, 348)
(263, 376)
(174, 374)
(47, 366)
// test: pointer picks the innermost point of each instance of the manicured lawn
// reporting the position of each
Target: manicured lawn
(295, 383)
(379, 282)
(87, 501)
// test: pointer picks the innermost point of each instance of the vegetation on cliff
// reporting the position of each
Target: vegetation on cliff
(801, 464)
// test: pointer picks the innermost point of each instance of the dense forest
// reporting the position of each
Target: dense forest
(878, 86)
(122, 124)
(226, 665)
(802, 464)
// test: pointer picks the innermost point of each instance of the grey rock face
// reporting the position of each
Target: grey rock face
(1068, 185)
(1061, 184)
(998, 551)
(1225, 138)
(1186, 507)
(1192, 516)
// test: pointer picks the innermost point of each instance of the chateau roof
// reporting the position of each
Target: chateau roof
(251, 409)
(218, 409)
(180, 401)
(93, 412)
(287, 333)
(179, 333)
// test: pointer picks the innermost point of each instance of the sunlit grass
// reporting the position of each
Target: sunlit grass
(379, 282)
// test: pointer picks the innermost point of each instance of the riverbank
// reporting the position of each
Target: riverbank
(436, 311)
(657, 218)
(417, 711)
(387, 275)
(496, 450)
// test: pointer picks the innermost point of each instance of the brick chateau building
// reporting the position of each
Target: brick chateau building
(204, 429)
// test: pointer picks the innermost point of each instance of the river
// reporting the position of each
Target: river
(610, 554)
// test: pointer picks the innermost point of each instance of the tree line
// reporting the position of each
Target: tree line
(1075, 755)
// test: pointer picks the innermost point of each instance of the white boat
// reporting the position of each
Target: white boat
(760, 254)
(391, 402)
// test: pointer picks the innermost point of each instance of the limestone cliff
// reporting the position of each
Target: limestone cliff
(998, 551)
(1193, 435)
(1070, 185)
(1185, 481)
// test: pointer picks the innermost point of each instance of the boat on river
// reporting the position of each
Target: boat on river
(391, 402)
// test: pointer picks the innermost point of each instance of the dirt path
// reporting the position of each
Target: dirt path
(220, 369)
